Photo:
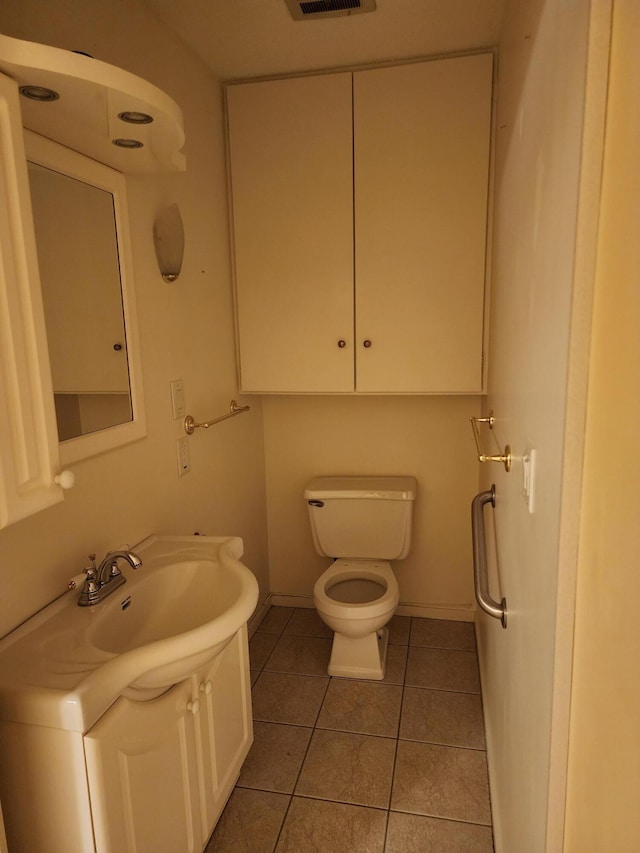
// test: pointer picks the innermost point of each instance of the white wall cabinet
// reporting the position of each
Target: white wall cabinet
(29, 454)
(360, 218)
(292, 184)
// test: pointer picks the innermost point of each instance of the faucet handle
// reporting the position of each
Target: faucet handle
(90, 587)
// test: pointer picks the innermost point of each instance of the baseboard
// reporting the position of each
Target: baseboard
(258, 615)
(454, 612)
(457, 613)
(283, 599)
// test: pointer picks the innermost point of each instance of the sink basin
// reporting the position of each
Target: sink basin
(66, 665)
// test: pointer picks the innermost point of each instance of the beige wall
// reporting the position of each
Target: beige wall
(604, 756)
(186, 331)
(427, 437)
(541, 100)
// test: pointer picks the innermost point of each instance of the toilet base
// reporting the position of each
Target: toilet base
(359, 657)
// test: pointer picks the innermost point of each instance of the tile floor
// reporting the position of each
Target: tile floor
(348, 766)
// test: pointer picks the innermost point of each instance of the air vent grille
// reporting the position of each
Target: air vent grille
(307, 9)
(315, 7)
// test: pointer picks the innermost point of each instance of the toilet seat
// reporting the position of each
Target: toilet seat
(341, 571)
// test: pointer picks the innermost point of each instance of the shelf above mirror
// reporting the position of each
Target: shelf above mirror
(96, 104)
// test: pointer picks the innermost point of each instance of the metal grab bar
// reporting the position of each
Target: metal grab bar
(190, 424)
(480, 574)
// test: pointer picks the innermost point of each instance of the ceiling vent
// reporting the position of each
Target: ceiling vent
(302, 10)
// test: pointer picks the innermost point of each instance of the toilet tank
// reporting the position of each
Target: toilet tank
(361, 517)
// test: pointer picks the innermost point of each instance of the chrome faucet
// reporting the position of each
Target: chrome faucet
(102, 580)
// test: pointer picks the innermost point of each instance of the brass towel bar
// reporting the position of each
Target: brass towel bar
(504, 457)
(190, 424)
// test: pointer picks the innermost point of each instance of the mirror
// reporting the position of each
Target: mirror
(81, 229)
(80, 277)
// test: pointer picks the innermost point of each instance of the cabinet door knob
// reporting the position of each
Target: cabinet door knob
(206, 687)
(366, 343)
(117, 347)
(193, 706)
(342, 344)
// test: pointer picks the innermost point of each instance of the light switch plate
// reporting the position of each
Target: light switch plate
(177, 398)
(529, 477)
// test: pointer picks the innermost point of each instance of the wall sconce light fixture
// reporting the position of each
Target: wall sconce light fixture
(168, 239)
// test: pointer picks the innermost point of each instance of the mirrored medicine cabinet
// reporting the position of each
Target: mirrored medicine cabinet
(84, 258)
(70, 383)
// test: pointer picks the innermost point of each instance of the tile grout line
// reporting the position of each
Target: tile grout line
(395, 754)
(397, 738)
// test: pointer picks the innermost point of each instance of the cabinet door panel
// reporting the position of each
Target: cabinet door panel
(421, 142)
(29, 453)
(141, 767)
(291, 173)
(225, 727)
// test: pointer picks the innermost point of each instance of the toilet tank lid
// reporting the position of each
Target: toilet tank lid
(389, 488)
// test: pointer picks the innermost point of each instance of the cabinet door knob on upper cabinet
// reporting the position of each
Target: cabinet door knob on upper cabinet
(366, 343)
(342, 344)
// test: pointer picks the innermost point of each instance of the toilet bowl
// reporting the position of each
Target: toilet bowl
(362, 522)
(356, 599)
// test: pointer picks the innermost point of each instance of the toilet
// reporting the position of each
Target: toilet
(361, 523)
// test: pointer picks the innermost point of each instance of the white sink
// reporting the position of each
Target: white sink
(66, 665)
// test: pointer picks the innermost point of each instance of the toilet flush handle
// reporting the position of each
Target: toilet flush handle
(316, 503)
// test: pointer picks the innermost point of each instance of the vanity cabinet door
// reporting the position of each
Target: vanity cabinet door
(290, 147)
(29, 455)
(421, 158)
(143, 779)
(224, 729)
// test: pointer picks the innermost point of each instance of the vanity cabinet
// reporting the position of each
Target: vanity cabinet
(360, 228)
(149, 776)
(160, 772)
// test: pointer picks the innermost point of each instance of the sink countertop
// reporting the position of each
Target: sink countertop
(53, 670)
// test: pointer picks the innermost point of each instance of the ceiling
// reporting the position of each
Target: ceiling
(252, 38)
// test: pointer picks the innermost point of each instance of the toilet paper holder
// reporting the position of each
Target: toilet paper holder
(504, 457)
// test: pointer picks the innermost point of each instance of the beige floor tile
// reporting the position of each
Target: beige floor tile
(349, 768)
(443, 634)
(306, 623)
(441, 781)
(399, 629)
(408, 833)
(440, 716)
(283, 698)
(260, 647)
(316, 826)
(275, 620)
(303, 655)
(275, 759)
(250, 823)
(396, 665)
(443, 669)
(367, 707)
